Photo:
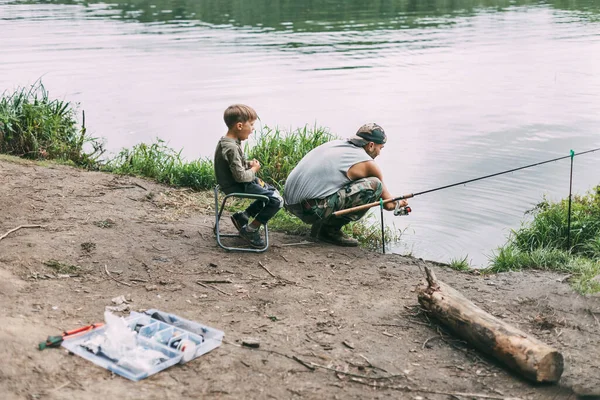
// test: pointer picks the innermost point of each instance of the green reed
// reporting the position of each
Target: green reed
(543, 243)
(34, 126)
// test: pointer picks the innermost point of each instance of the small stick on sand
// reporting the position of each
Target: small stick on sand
(213, 287)
(113, 278)
(266, 269)
(20, 227)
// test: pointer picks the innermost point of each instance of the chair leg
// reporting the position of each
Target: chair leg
(218, 214)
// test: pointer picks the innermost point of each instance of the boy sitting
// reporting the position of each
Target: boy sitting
(235, 174)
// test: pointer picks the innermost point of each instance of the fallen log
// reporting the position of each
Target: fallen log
(521, 352)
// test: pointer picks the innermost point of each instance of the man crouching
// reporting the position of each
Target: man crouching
(334, 176)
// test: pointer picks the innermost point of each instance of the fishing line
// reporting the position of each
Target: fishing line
(381, 202)
(410, 195)
(496, 174)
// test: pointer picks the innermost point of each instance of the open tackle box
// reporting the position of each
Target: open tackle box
(157, 340)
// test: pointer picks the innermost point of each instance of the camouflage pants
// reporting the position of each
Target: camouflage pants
(356, 193)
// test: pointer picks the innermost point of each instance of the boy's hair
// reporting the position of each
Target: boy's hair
(239, 113)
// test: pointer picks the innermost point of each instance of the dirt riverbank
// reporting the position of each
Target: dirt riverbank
(346, 310)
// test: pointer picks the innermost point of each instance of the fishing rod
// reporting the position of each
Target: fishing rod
(410, 195)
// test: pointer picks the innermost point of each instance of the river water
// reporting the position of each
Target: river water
(463, 88)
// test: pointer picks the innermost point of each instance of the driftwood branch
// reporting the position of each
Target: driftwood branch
(431, 280)
(518, 350)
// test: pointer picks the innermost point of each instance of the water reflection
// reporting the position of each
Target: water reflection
(312, 15)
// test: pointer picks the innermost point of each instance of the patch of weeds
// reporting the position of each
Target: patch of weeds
(88, 246)
(35, 126)
(163, 164)
(107, 223)
(545, 243)
(367, 231)
(460, 264)
(288, 223)
(62, 268)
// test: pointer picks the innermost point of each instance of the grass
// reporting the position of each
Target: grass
(460, 264)
(62, 268)
(368, 232)
(544, 244)
(549, 228)
(34, 126)
(288, 223)
(159, 162)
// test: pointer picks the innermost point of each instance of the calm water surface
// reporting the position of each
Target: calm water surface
(464, 88)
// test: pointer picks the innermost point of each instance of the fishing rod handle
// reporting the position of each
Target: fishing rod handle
(369, 205)
(359, 208)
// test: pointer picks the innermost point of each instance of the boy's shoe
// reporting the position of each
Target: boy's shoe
(239, 219)
(337, 237)
(252, 237)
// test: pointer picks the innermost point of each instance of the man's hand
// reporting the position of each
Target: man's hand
(392, 204)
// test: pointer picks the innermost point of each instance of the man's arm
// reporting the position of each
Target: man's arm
(367, 169)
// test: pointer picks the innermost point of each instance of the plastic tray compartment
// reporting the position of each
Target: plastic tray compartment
(204, 337)
(139, 321)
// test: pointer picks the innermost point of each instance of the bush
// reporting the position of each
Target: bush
(36, 127)
(544, 244)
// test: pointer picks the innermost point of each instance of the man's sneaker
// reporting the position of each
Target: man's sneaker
(337, 237)
(315, 229)
(239, 219)
(252, 237)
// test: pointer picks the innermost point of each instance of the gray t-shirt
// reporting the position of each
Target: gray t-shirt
(323, 171)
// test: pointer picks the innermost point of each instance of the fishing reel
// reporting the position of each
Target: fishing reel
(401, 210)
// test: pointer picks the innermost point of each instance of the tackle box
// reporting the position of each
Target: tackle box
(168, 338)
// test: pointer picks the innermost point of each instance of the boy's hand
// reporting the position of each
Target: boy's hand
(254, 165)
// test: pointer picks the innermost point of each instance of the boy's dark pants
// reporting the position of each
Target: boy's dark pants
(257, 210)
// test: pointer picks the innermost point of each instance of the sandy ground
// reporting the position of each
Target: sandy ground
(351, 313)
